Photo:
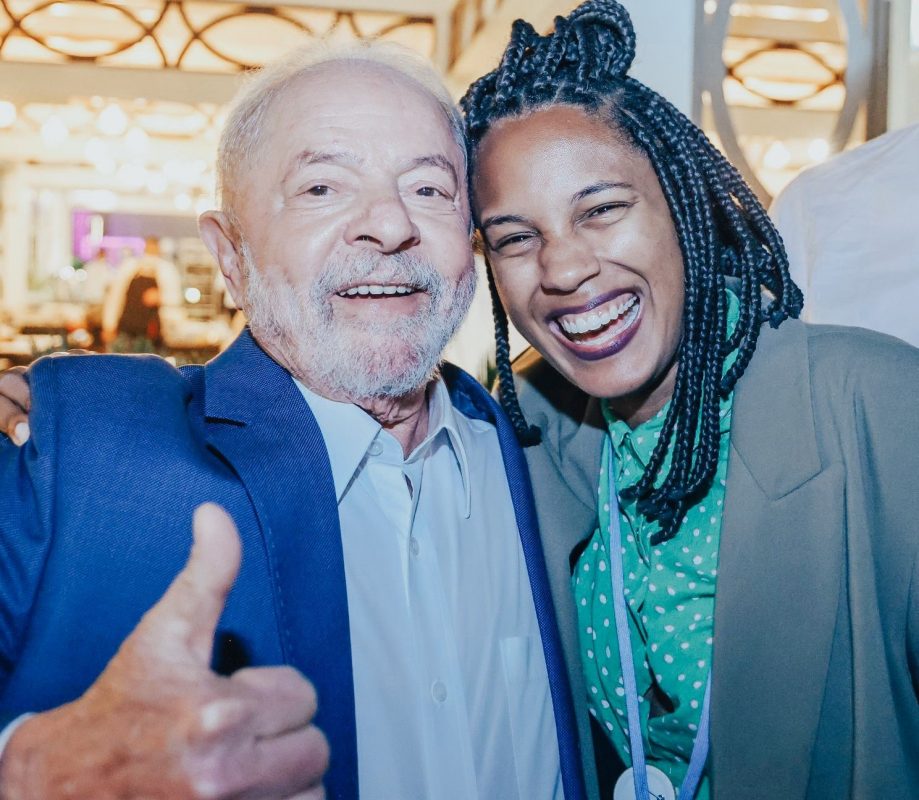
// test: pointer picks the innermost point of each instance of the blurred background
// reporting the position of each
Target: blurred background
(110, 113)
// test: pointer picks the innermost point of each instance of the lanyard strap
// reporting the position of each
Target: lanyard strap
(626, 659)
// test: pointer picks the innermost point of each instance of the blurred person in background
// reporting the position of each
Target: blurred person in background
(141, 302)
(851, 232)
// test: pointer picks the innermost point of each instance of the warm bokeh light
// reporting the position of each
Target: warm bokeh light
(7, 114)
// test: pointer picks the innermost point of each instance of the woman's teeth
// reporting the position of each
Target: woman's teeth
(599, 318)
(366, 290)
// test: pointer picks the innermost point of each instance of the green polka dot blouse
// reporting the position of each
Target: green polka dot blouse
(670, 596)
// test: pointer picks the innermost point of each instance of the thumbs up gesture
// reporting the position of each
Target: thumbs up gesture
(158, 724)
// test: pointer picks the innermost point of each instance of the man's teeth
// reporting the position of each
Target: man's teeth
(366, 290)
(596, 318)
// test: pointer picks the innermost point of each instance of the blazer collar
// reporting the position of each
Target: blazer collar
(258, 421)
(241, 381)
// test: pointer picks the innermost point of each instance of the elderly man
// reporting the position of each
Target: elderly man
(389, 549)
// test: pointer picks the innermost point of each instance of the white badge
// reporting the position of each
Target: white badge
(659, 786)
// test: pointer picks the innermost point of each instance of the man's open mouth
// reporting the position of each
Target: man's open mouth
(377, 290)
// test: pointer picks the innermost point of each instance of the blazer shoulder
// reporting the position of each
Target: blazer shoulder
(99, 368)
(546, 398)
(838, 349)
(97, 394)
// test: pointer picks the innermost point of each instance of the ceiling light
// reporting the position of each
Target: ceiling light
(156, 182)
(818, 150)
(7, 114)
(54, 132)
(112, 121)
(96, 150)
(106, 166)
(133, 176)
(776, 156)
(137, 142)
(784, 13)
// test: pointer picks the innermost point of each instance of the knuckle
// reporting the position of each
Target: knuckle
(318, 746)
(316, 793)
(207, 783)
(308, 695)
(218, 717)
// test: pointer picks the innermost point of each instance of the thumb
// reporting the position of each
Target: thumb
(183, 622)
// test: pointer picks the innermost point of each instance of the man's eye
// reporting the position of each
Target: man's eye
(319, 190)
(431, 191)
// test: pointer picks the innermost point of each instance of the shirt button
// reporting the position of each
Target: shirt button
(438, 691)
(416, 548)
(375, 448)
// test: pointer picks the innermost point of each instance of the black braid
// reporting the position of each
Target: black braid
(722, 228)
(527, 435)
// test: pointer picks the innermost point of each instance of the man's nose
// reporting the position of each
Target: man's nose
(384, 225)
(566, 264)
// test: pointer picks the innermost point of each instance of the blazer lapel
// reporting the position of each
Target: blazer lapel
(779, 579)
(471, 399)
(259, 422)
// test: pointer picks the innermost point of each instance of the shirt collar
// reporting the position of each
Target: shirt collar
(642, 440)
(349, 431)
(444, 417)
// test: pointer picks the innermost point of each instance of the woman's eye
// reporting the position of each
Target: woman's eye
(319, 190)
(510, 241)
(606, 208)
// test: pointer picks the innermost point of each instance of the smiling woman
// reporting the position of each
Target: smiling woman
(733, 488)
(580, 196)
(614, 174)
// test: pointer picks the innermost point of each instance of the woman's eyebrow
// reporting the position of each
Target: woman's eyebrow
(503, 219)
(601, 186)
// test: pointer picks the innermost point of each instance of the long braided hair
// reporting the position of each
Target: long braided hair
(722, 228)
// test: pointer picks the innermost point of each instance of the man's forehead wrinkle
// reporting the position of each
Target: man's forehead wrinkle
(307, 157)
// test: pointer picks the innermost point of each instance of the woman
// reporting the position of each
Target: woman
(736, 498)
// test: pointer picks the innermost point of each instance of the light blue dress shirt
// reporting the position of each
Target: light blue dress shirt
(451, 693)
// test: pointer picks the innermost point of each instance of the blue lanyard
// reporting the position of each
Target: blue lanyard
(700, 747)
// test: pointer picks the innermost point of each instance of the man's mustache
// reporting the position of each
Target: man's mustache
(398, 268)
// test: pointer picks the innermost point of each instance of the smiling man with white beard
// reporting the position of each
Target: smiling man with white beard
(386, 528)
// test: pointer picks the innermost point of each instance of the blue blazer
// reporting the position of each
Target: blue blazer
(95, 521)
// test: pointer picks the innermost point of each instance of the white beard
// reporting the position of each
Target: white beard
(355, 359)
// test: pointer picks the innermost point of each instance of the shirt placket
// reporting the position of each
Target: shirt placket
(450, 769)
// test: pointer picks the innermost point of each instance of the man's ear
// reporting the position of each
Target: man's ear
(220, 237)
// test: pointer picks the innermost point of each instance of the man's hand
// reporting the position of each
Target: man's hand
(15, 402)
(159, 725)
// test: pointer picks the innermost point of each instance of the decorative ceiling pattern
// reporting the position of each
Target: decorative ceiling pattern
(785, 84)
(187, 34)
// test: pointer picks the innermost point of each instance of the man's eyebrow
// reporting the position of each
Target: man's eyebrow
(434, 160)
(307, 157)
(601, 186)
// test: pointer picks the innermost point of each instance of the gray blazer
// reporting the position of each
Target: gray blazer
(816, 651)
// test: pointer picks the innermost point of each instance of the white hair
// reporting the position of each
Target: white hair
(245, 122)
